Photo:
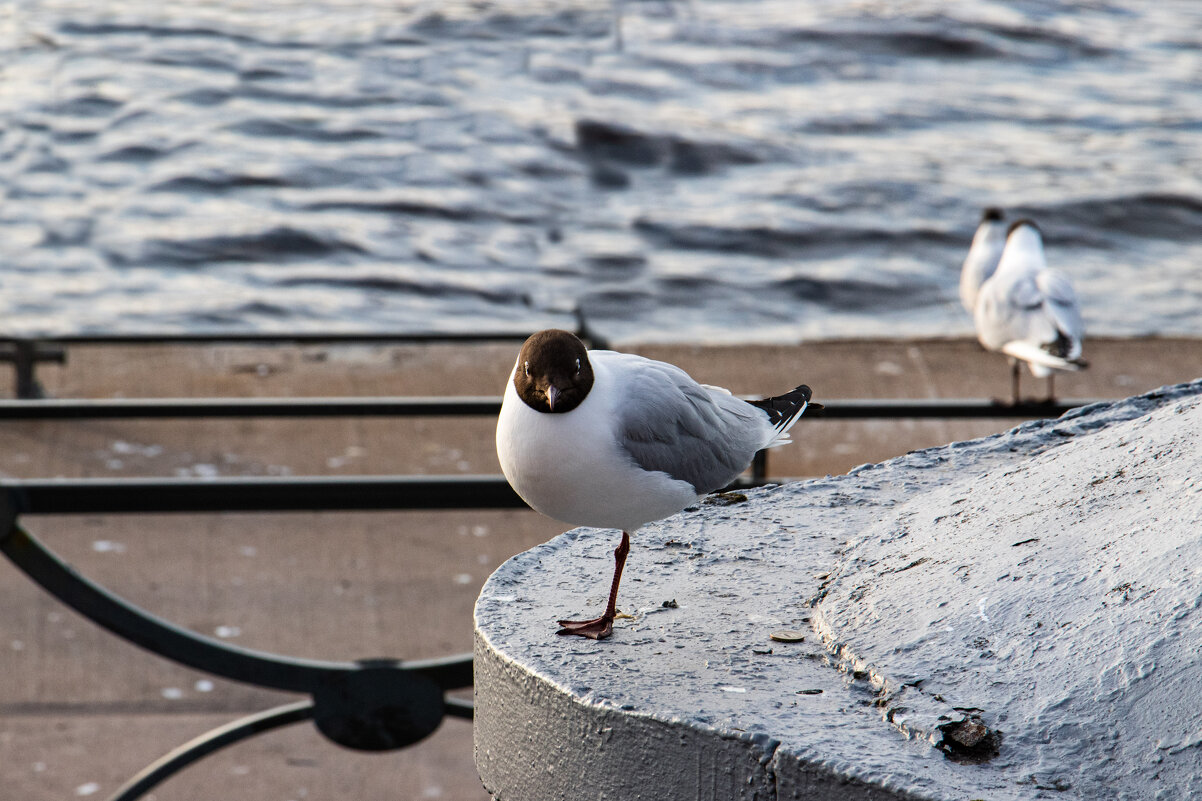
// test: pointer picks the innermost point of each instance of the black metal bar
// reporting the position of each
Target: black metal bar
(207, 743)
(23, 364)
(163, 408)
(466, 406)
(26, 351)
(759, 466)
(85, 496)
(270, 338)
(259, 494)
(25, 355)
(448, 672)
(951, 408)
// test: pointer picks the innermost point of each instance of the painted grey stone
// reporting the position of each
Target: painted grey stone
(1012, 617)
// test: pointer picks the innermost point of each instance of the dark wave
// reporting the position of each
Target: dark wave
(251, 91)
(607, 141)
(1151, 215)
(780, 243)
(193, 58)
(941, 38)
(87, 105)
(877, 123)
(240, 313)
(837, 295)
(739, 71)
(567, 22)
(205, 97)
(422, 208)
(425, 288)
(912, 43)
(611, 266)
(216, 183)
(137, 154)
(300, 128)
(852, 295)
(271, 245)
(1052, 40)
(616, 304)
(151, 31)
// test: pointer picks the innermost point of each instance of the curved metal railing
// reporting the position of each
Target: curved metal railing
(377, 704)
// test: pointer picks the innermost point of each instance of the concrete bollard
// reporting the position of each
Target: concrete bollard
(1013, 617)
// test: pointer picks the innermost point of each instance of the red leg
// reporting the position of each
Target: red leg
(601, 627)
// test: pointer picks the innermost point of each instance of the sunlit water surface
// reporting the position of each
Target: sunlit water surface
(736, 170)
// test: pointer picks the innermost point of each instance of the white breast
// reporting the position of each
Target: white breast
(570, 466)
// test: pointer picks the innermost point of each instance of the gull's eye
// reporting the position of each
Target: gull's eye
(526, 367)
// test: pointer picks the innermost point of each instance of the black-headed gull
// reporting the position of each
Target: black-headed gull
(613, 440)
(983, 255)
(1028, 311)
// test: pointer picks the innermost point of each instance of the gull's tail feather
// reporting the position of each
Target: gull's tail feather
(784, 410)
(1034, 354)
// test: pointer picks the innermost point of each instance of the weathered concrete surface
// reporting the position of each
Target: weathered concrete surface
(1039, 588)
(1059, 595)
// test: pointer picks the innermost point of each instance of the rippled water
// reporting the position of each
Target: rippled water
(737, 170)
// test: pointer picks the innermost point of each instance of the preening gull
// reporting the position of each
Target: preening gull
(1030, 312)
(613, 440)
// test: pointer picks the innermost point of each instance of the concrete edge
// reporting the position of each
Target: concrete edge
(608, 747)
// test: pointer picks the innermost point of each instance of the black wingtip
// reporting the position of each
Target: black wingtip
(992, 214)
(783, 408)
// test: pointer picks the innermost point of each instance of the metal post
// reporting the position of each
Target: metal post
(24, 363)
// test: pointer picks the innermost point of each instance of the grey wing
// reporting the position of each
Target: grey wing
(1061, 305)
(670, 423)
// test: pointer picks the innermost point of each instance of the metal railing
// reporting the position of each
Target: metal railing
(465, 406)
(27, 352)
(372, 705)
(377, 704)
(468, 406)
